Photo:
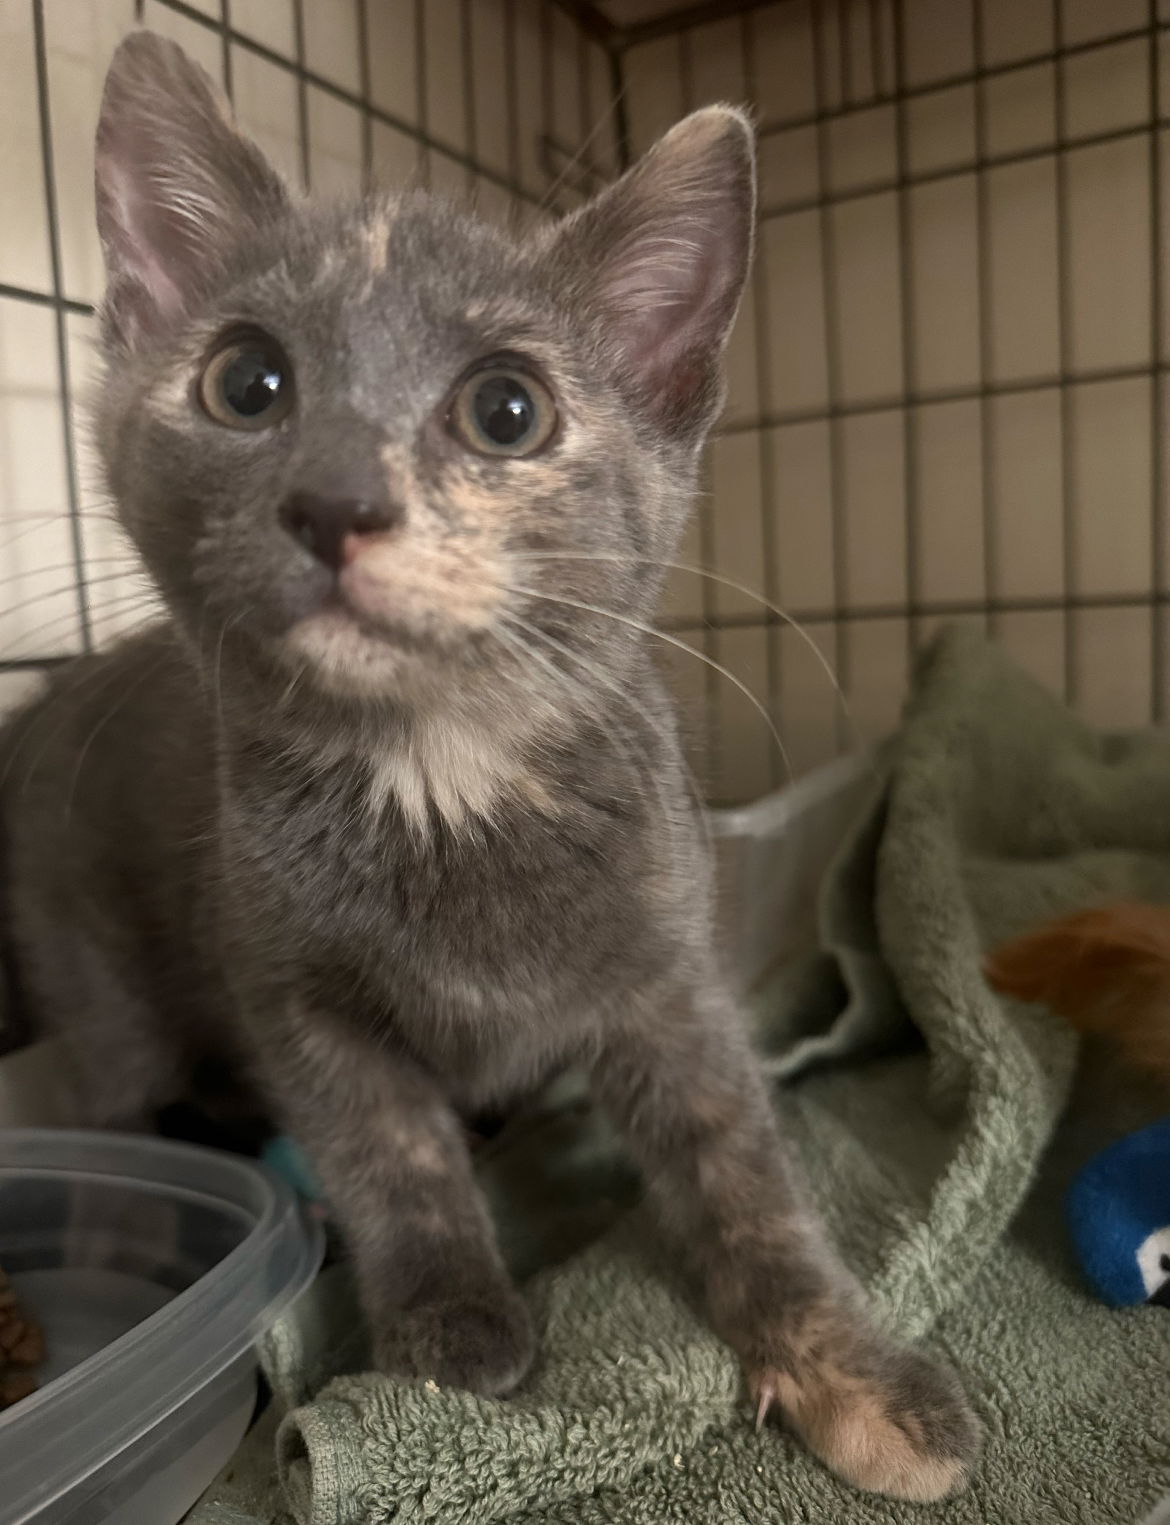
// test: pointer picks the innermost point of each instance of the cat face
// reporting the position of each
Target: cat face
(376, 445)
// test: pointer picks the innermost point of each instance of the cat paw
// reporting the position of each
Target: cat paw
(481, 1342)
(889, 1420)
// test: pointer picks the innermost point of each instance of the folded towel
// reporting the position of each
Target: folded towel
(925, 1112)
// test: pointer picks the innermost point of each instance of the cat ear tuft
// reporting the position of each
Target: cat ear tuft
(178, 188)
(662, 256)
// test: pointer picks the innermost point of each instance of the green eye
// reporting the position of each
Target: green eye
(247, 383)
(502, 410)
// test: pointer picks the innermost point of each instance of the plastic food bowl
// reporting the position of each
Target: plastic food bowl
(152, 1268)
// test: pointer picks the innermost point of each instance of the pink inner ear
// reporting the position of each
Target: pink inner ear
(672, 294)
(134, 228)
(178, 189)
(667, 288)
(665, 251)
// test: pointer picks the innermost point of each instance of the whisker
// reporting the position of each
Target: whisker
(38, 523)
(66, 688)
(727, 582)
(201, 672)
(670, 743)
(112, 615)
(100, 615)
(283, 702)
(66, 617)
(26, 528)
(23, 534)
(217, 670)
(92, 510)
(570, 684)
(662, 635)
(522, 652)
(131, 568)
(672, 748)
(583, 148)
(120, 703)
(62, 589)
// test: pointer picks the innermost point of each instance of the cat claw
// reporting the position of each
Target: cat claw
(892, 1421)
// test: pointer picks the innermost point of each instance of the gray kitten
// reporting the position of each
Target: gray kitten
(391, 808)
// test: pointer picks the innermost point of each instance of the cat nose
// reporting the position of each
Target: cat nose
(331, 527)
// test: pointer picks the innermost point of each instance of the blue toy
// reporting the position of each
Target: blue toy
(1119, 1216)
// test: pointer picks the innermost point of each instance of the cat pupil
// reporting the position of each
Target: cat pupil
(251, 383)
(503, 410)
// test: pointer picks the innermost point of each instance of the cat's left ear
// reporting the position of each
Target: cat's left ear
(178, 188)
(660, 259)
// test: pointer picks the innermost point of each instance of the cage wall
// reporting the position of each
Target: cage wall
(946, 384)
(946, 393)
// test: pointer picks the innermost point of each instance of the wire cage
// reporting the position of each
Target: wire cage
(946, 383)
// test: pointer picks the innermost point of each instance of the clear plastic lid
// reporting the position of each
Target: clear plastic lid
(224, 1239)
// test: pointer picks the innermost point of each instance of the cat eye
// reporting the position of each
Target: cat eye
(503, 410)
(247, 383)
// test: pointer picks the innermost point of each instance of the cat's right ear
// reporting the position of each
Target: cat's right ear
(178, 188)
(660, 260)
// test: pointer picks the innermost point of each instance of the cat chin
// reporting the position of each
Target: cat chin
(345, 659)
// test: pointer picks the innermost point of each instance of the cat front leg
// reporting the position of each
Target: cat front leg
(393, 1165)
(680, 1079)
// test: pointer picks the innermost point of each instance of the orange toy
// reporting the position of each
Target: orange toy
(1107, 971)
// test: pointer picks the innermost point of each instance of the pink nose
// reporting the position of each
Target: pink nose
(329, 527)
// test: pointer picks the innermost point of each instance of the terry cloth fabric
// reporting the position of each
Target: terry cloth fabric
(926, 1114)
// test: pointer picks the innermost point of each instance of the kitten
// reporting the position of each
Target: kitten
(392, 805)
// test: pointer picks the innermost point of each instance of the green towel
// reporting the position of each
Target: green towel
(927, 1115)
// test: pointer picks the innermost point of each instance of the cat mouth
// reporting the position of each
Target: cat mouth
(336, 622)
(383, 624)
(339, 613)
(348, 654)
(353, 652)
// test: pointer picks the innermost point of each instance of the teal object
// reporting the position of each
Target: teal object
(283, 1156)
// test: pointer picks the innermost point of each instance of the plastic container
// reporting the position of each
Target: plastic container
(771, 856)
(152, 1267)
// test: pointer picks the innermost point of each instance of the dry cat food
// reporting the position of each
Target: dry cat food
(22, 1347)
